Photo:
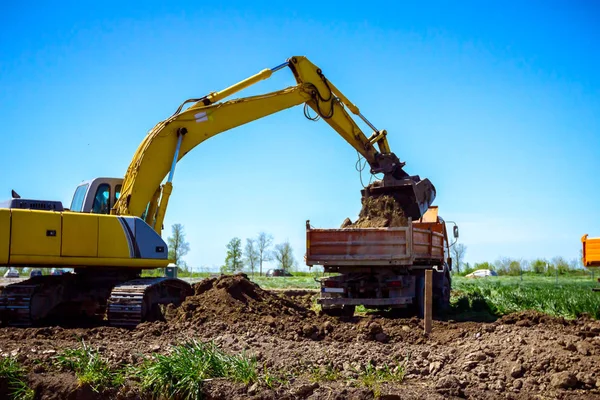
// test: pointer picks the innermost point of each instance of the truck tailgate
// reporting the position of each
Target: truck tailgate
(373, 246)
(366, 246)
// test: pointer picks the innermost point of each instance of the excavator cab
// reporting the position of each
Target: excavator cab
(96, 196)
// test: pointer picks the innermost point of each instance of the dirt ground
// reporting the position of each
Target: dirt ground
(519, 356)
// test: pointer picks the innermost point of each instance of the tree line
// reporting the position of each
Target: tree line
(511, 266)
(256, 252)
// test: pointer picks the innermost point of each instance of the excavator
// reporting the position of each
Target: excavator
(112, 230)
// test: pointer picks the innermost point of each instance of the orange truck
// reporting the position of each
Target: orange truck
(591, 253)
(382, 268)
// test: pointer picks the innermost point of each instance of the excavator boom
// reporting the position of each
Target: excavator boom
(171, 139)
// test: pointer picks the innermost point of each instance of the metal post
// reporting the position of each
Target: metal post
(428, 300)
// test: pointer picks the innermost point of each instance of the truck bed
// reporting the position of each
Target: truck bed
(402, 246)
(591, 251)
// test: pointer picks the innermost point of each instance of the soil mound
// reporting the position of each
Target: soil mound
(379, 211)
(231, 298)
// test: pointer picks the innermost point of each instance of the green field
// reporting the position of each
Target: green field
(568, 297)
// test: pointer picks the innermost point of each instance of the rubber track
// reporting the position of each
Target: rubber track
(15, 303)
(126, 302)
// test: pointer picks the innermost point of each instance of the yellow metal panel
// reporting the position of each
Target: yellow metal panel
(35, 233)
(431, 215)
(4, 236)
(112, 241)
(591, 251)
(138, 263)
(80, 235)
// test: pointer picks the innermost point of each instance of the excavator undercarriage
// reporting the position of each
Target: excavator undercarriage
(123, 298)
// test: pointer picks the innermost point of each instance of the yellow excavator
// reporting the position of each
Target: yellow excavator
(111, 231)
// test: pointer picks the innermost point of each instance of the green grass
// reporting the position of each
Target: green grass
(89, 368)
(372, 377)
(569, 297)
(325, 373)
(16, 379)
(158, 272)
(181, 374)
(281, 282)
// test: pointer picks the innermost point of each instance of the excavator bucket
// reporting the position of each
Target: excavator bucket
(414, 195)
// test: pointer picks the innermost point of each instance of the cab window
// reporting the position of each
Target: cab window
(102, 200)
(117, 194)
(78, 197)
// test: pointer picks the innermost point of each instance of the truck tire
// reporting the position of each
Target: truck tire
(419, 303)
(442, 301)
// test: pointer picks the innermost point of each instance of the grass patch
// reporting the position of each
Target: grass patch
(16, 379)
(569, 297)
(89, 368)
(285, 282)
(181, 374)
(373, 377)
(325, 373)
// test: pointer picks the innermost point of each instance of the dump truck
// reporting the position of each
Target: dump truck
(591, 254)
(381, 268)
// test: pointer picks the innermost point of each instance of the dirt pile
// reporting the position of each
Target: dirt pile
(231, 299)
(379, 211)
(519, 356)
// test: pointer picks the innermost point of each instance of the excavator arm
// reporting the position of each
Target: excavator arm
(171, 139)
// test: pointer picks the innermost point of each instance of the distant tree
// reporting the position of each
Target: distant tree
(178, 247)
(251, 255)
(284, 255)
(502, 265)
(484, 265)
(561, 265)
(538, 266)
(514, 268)
(467, 268)
(458, 254)
(233, 260)
(263, 243)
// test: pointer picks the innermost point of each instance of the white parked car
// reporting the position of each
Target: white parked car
(11, 273)
(481, 273)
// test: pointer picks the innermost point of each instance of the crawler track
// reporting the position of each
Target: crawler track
(126, 302)
(134, 301)
(15, 303)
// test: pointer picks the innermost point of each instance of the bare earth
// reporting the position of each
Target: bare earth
(520, 356)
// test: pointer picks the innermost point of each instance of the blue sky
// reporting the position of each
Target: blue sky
(498, 105)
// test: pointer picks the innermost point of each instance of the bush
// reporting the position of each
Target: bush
(561, 265)
(514, 268)
(538, 266)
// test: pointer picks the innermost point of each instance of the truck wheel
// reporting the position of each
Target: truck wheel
(442, 302)
(348, 311)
